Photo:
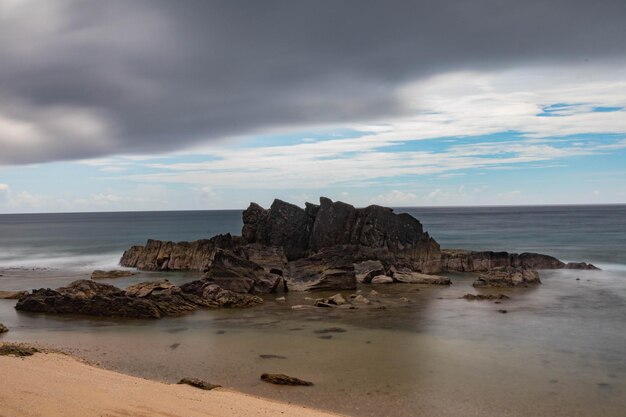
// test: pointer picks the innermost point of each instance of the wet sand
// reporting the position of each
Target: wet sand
(53, 384)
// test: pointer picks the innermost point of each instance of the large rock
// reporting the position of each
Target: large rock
(152, 299)
(330, 270)
(507, 277)
(468, 261)
(240, 275)
(284, 224)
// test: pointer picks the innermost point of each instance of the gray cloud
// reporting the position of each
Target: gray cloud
(86, 78)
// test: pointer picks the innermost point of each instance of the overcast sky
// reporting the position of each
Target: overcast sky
(135, 105)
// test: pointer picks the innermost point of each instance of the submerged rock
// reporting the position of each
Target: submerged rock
(12, 349)
(198, 383)
(282, 379)
(409, 277)
(3, 328)
(507, 277)
(99, 274)
(485, 297)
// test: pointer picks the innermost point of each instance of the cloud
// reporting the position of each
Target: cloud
(87, 79)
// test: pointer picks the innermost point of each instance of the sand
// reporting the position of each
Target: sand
(54, 384)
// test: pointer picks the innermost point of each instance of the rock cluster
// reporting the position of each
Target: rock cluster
(154, 299)
(507, 276)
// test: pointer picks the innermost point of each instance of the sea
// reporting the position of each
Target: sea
(559, 350)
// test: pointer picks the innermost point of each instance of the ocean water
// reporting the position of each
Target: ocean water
(560, 350)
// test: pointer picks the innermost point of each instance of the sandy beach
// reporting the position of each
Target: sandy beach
(54, 384)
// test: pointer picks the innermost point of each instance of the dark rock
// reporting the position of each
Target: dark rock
(240, 275)
(153, 299)
(328, 270)
(99, 274)
(330, 330)
(12, 295)
(327, 337)
(269, 356)
(485, 297)
(11, 349)
(507, 277)
(281, 379)
(3, 328)
(198, 383)
(174, 346)
(503, 311)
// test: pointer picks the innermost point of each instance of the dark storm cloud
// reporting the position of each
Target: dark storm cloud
(88, 78)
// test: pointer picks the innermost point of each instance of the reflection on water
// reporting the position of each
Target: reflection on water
(558, 351)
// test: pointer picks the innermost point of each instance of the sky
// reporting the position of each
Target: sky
(188, 105)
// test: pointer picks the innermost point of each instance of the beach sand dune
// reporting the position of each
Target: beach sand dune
(53, 384)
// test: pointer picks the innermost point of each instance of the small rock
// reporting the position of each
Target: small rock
(360, 299)
(198, 383)
(302, 307)
(270, 356)
(281, 299)
(3, 328)
(174, 345)
(281, 379)
(382, 279)
(329, 336)
(98, 274)
(323, 303)
(485, 297)
(330, 330)
(337, 299)
(405, 300)
(374, 293)
(503, 311)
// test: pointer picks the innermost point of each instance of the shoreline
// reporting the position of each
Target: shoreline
(52, 383)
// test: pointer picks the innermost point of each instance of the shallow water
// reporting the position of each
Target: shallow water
(558, 351)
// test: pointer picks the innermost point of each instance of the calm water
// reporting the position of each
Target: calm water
(559, 351)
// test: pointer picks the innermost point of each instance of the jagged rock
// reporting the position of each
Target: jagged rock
(198, 383)
(408, 277)
(240, 275)
(382, 279)
(284, 224)
(467, 261)
(3, 328)
(271, 258)
(507, 277)
(281, 379)
(366, 270)
(360, 299)
(472, 297)
(207, 294)
(99, 274)
(12, 295)
(580, 265)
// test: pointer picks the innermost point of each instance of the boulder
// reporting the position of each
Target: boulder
(409, 277)
(282, 379)
(329, 270)
(12, 295)
(366, 270)
(99, 274)
(507, 277)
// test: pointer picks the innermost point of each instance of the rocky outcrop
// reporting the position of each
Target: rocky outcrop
(153, 299)
(99, 274)
(329, 246)
(12, 295)
(507, 276)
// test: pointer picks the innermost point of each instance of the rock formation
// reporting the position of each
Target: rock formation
(507, 276)
(12, 295)
(330, 246)
(154, 299)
